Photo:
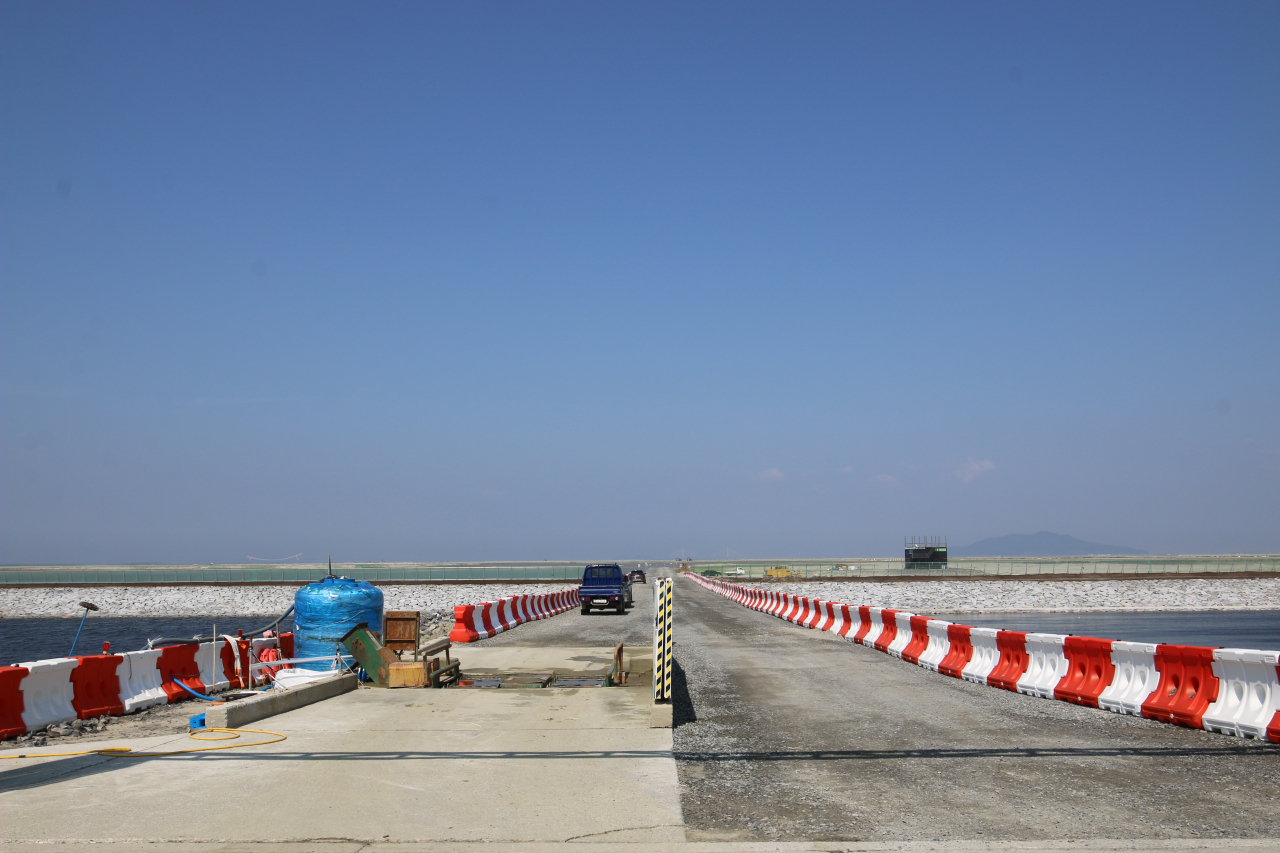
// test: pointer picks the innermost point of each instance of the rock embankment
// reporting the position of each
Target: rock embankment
(435, 601)
(995, 596)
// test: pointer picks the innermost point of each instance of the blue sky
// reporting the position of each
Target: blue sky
(563, 281)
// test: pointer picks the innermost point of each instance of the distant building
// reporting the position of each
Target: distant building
(926, 549)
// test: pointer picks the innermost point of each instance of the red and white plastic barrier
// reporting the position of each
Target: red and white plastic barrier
(140, 685)
(47, 692)
(1231, 691)
(939, 645)
(472, 622)
(36, 694)
(1046, 665)
(902, 634)
(1248, 704)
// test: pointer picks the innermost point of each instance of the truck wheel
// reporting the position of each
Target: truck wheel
(622, 608)
(586, 608)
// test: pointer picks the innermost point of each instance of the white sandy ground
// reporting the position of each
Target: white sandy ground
(996, 596)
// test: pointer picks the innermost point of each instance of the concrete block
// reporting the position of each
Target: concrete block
(660, 717)
(640, 659)
(241, 712)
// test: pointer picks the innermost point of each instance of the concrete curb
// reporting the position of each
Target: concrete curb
(235, 714)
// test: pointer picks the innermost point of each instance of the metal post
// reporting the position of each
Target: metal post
(87, 607)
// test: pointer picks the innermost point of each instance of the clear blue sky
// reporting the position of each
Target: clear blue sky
(476, 281)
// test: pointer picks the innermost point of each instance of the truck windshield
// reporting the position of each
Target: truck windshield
(602, 573)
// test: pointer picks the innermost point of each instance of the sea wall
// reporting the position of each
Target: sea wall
(436, 601)
(994, 596)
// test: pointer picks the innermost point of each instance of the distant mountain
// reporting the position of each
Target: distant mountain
(1042, 544)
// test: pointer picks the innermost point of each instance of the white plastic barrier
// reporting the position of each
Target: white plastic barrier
(877, 627)
(903, 638)
(140, 684)
(1135, 679)
(210, 655)
(47, 692)
(1046, 665)
(985, 655)
(838, 611)
(939, 645)
(1248, 692)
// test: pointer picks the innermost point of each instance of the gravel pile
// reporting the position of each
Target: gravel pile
(436, 601)
(988, 596)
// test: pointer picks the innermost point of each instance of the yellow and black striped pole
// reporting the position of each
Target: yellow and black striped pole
(662, 613)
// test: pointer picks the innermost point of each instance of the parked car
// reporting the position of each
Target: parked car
(604, 585)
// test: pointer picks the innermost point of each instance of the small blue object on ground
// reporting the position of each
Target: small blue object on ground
(196, 722)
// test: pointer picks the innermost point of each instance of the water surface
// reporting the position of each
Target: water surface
(1236, 629)
(50, 637)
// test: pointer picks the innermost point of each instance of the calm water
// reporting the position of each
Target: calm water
(34, 639)
(1235, 629)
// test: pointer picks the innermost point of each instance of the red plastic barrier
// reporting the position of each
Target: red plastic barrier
(1187, 686)
(959, 651)
(789, 605)
(850, 616)
(179, 662)
(828, 616)
(888, 618)
(1273, 730)
(1013, 660)
(229, 663)
(286, 647)
(864, 620)
(801, 611)
(464, 624)
(813, 614)
(11, 705)
(97, 687)
(919, 640)
(1089, 670)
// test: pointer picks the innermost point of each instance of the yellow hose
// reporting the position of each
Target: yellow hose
(126, 752)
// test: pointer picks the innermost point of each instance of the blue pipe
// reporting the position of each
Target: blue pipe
(189, 690)
(78, 630)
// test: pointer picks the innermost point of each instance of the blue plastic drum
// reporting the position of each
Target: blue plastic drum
(324, 611)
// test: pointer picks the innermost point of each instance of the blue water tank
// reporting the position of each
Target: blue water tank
(324, 611)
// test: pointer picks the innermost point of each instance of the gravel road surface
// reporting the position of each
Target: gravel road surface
(786, 733)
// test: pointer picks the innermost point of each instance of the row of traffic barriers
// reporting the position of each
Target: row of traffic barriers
(1231, 691)
(472, 622)
(36, 694)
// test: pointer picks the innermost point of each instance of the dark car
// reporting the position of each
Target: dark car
(604, 585)
(637, 576)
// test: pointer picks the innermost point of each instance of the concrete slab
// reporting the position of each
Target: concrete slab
(242, 712)
(1265, 845)
(376, 766)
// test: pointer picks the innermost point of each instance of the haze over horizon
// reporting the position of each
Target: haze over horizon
(485, 282)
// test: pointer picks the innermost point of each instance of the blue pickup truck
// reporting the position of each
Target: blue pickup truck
(604, 586)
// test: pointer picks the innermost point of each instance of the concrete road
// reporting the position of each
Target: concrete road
(417, 767)
(788, 733)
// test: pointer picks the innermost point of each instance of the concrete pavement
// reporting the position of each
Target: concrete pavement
(531, 765)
